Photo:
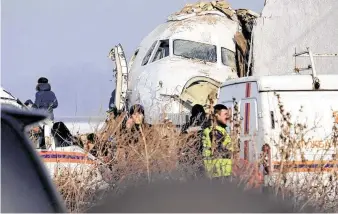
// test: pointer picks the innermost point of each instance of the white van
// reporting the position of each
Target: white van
(262, 103)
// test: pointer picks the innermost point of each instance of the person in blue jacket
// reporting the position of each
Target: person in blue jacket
(45, 97)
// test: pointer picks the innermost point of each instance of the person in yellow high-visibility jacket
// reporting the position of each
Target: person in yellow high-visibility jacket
(217, 146)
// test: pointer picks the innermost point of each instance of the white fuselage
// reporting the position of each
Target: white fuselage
(82, 125)
(152, 83)
(9, 99)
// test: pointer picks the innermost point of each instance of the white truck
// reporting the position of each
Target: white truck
(295, 115)
(260, 110)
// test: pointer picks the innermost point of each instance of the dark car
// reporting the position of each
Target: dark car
(25, 184)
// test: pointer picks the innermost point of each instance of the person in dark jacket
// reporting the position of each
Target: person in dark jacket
(62, 135)
(134, 125)
(44, 97)
(191, 153)
(112, 100)
(197, 123)
(197, 118)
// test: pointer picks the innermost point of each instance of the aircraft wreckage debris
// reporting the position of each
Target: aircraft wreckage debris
(246, 19)
(221, 6)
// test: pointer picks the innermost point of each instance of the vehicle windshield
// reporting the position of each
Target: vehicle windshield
(195, 50)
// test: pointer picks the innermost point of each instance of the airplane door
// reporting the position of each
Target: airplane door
(117, 54)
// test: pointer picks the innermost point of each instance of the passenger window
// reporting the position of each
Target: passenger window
(228, 58)
(248, 112)
(148, 55)
(162, 51)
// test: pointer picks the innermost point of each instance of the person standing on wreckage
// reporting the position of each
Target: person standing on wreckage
(45, 99)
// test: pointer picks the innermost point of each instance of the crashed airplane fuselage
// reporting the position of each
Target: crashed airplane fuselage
(180, 63)
(174, 53)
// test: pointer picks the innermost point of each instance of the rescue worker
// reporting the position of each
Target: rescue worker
(217, 146)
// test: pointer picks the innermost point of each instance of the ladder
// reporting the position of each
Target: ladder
(308, 53)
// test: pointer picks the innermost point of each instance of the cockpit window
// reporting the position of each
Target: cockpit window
(162, 50)
(195, 50)
(228, 57)
(148, 55)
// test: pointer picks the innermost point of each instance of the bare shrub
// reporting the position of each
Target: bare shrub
(161, 151)
(316, 184)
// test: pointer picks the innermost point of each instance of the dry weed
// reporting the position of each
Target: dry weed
(162, 149)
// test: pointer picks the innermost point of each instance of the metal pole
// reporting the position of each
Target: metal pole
(320, 55)
(314, 73)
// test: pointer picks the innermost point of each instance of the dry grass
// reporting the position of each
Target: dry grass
(153, 150)
(162, 149)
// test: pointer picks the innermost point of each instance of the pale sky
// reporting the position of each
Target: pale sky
(68, 41)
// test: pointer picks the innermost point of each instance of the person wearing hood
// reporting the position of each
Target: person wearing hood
(44, 97)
